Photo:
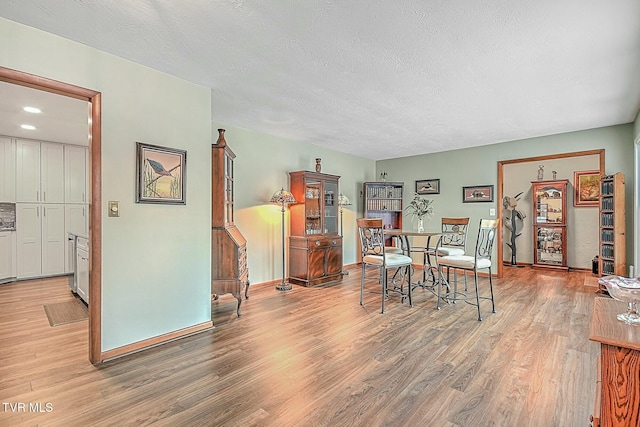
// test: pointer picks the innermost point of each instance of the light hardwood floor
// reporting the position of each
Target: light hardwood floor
(315, 357)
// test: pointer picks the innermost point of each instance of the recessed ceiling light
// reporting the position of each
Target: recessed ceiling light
(28, 127)
(32, 110)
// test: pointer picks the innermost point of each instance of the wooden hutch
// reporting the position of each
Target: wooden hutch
(315, 247)
(550, 223)
(384, 200)
(229, 273)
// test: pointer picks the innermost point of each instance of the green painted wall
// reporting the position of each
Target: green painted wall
(262, 166)
(478, 166)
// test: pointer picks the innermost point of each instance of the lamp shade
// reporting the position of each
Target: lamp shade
(283, 197)
(343, 200)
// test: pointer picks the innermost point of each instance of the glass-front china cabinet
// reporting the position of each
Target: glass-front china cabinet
(550, 223)
(315, 247)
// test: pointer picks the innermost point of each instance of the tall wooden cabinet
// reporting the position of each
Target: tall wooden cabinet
(315, 247)
(550, 224)
(612, 256)
(229, 272)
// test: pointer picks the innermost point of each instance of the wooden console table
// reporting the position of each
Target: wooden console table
(618, 387)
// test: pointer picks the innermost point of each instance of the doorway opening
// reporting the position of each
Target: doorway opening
(95, 173)
(501, 179)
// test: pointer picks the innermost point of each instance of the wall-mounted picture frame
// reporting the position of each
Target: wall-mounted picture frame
(428, 186)
(477, 193)
(160, 174)
(586, 186)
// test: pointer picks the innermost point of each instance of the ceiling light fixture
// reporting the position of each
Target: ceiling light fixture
(28, 127)
(32, 110)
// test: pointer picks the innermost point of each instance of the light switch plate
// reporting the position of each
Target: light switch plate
(492, 211)
(114, 208)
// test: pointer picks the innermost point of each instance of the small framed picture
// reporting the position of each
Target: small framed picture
(586, 185)
(477, 193)
(160, 174)
(428, 186)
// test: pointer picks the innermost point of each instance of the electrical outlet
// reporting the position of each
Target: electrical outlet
(492, 211)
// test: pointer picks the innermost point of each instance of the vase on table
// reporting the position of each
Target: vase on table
(420, 225)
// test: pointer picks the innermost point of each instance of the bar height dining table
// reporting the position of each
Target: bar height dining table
(405, 238)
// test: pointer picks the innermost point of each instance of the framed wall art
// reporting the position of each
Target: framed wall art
(160, 174)
(477, 193)
(586, 186)
(428, 186)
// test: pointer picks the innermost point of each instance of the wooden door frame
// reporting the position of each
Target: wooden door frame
(94, 99)
(500, 193)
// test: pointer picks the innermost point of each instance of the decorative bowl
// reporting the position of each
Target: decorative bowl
(627, 290)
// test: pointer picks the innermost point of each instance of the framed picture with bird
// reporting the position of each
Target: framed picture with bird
(160, 173)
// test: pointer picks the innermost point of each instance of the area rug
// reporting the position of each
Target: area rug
(66, 312)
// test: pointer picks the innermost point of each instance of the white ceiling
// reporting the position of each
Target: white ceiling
(62, 119)
(378, 78)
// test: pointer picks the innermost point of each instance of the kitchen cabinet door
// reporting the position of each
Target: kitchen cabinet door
(39, 172)
(7, 170)
(27, 171)
(75, 172)
(29, 240)
(54, 239)
(52, 173)
(7, 255)
(41, 240)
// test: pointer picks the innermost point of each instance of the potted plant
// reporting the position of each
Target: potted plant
(420, 208)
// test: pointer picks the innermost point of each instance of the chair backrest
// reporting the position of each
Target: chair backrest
(371, 236)
(486, 237)
(454, 232)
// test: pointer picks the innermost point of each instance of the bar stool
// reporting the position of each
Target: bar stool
(374, 254)
(481, 259)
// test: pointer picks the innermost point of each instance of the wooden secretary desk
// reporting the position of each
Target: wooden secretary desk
(315, 247)
(229, 273)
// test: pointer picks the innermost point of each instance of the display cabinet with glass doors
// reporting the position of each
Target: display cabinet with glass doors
(550, 224)
(315, 247)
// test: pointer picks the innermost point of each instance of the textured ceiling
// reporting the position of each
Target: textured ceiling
(379, 79)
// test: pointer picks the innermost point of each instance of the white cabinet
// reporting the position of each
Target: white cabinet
(41, 240)
(39, 172)
(52, 172)
(28, 171)
(50, 188)
(7, 170)
(54, 239)
(76, 221)
(7, 255)
(75, 174)
(82, 268)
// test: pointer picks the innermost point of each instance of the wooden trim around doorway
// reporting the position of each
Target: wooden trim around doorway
(501, 164)
(95, 197)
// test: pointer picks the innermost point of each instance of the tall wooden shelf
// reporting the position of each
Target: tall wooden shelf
(229, 272)
(315, 247)
(550, 224)
(384, 200)
(612, 253)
